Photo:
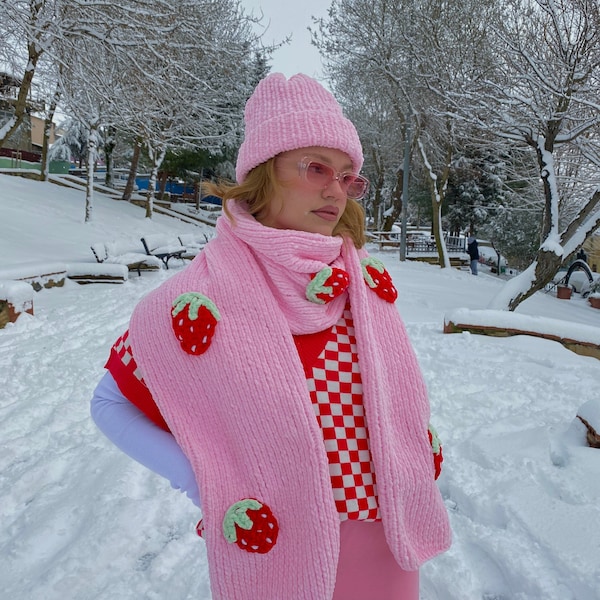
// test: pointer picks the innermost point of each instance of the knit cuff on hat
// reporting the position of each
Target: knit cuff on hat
(283, 115)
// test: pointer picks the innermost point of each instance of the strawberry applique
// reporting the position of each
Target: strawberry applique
(200, 528)
(251, 525)
(378, 279)
(195, 318)
(438, 458)
(327, 284)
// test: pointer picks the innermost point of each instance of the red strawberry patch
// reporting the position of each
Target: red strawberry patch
(327, 284)
(251, 525)
(200, 528)
(438, 457)
(378, 279)
(195, 318)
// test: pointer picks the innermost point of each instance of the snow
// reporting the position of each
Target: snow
(490, 256)
(17, 293)
(556, 328)
(111, 270)
(81, 521)
(27, 270)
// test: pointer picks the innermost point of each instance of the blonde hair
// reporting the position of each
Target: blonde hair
(258, 189)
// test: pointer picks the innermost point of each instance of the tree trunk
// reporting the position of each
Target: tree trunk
(437, 187)
(555, 248)
(45, 173)
(157, 154)
(392, 215)
(198, 190)
(378, 189)
(109, 147)
(438, 232)
(524, 285)
(163, 177)
(137, 149)
(91, 159)
(21, 103)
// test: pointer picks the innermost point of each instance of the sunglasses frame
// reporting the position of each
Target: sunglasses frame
(305, 163)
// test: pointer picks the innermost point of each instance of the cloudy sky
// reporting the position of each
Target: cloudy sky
(286, 18)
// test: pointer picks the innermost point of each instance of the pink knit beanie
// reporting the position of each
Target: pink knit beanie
(286, 114)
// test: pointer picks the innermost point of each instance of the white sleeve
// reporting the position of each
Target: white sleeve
(135, 434)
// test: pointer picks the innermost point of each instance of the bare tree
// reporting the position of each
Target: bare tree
(361, 42)
(405, 54)
(169, 73)
(543, 95)
(186, 84)
(26, 30)
(525, 72)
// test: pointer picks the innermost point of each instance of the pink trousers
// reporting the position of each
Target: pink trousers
(367, 569)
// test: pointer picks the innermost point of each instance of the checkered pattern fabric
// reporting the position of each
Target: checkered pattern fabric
(336, 392)
(122, 348)
(129, 379)
(335, 388)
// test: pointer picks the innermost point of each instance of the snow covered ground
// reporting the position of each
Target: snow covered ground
(81, 521)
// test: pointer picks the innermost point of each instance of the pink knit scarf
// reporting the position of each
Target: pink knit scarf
(287, 260)
(241, 411)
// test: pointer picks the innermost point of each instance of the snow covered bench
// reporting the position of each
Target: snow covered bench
(124, 253)
(16, 297)
(193, 242)
(581, 339)
(384, 239)
(165, 248)
(37, 274)
(83, 273)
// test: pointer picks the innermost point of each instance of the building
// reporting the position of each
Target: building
(9, 92)
(24, 147)
(37, 133)
(592, 248)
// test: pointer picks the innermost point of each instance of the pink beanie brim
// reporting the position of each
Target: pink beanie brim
(283, 115)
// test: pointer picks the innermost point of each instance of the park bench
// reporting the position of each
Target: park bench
(392, 239)
(384, 239)
(38, 274)
(84, 273)
(124, 253)
(193, 242)
(165, 248)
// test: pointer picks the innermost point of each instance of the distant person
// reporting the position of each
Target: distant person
(272, 379)
(582, 255)
(473, 250)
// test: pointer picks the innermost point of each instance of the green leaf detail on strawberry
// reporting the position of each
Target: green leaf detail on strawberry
(378, 279)
(194, 319)
(327, 284)
(438, 457)
(251, 525)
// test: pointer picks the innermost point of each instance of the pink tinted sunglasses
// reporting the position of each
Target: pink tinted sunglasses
(320, 176)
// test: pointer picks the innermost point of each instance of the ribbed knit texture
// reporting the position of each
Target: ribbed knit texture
(243, 415)
(286, 114)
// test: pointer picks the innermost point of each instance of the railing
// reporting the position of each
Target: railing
(391, 239)
(455, 243)
(21, 155)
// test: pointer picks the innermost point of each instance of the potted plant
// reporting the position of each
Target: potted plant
(563, 292)
(593, 294)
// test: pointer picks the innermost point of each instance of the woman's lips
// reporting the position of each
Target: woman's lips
(329, 213)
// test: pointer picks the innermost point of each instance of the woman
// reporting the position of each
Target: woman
(279, 389)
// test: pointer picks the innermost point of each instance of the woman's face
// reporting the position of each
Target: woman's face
(298, 203)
